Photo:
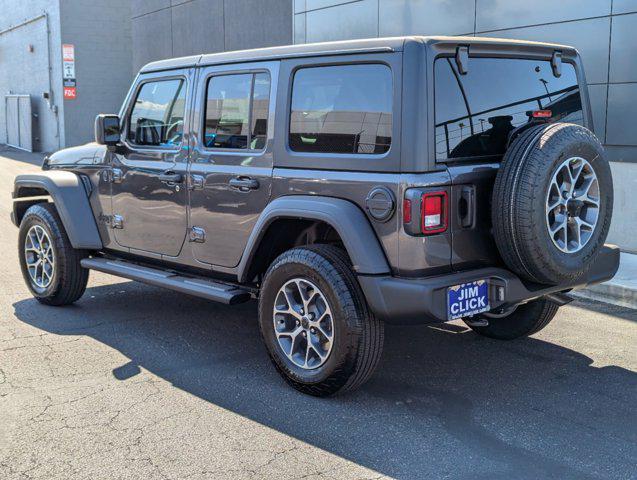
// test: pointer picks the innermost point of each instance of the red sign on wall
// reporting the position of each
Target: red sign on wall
(68, 71)
(69, 93)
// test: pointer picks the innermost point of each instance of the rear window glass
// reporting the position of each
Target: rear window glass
(476, 112)
(237, 111)
(342, 109)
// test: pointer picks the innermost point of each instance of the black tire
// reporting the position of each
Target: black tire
(357, 335)
(525, 320)
(520, 196)
(69, 279)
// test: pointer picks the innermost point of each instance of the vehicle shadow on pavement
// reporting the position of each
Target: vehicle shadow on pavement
(32, 158)
(443, 403)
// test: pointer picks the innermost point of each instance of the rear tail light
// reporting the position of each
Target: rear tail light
(434, 212)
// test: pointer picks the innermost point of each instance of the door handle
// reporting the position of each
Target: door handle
(244, 183)
(170, 177)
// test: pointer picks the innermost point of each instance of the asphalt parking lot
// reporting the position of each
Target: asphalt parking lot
(137, 382)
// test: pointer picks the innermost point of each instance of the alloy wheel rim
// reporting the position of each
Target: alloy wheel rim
(303, 323)
(572, 204)
(39, 256)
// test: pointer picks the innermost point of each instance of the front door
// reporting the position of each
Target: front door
(231, 159)
(149, 194)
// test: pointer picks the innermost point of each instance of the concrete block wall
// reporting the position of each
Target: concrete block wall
(604, 31)
(172, 28)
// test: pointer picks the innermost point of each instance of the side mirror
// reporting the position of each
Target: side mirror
(107, 129)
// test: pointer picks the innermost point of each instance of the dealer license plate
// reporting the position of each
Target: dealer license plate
(467, 299)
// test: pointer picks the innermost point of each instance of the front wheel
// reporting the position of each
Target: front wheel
(50, 265)
(521, 321)
(315, 322)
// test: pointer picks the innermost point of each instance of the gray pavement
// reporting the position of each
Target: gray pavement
(137, 382)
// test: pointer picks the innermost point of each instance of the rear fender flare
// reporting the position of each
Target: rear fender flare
(71, 201)
(347, 219)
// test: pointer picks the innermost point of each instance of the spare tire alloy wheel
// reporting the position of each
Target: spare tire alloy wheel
(303, 323)
(572, 204)
(552, 203)
(39, 257)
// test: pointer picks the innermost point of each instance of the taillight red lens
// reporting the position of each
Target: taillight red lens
(542, 114)
(406, 211)
(434, 212)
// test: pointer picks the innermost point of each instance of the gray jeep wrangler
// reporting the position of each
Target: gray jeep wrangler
(343, 185)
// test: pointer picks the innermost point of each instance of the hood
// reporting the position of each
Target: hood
(88, 154)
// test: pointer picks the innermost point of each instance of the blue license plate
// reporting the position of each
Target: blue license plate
(467, 299)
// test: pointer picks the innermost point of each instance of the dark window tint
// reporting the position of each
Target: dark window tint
(342, 109)
(157, 117)
(232, 120)
(476, 112)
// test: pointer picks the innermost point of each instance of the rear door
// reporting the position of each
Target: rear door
(475, 114)
(231, 162)
(147, 179)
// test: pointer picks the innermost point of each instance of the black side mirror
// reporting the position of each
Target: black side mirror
(107, 129)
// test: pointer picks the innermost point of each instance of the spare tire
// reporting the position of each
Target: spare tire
(552, 203)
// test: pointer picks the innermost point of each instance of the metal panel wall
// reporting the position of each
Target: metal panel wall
(101, 35)
(624, 6)
(350, 20)
(170, 28)
(623, 67)
(405, 17)
(590, 37)
(501, 14)
(186, 19)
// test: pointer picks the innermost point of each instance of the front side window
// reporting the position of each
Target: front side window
(344, 109)
(237, 111)
(157, 117)
(476, 112)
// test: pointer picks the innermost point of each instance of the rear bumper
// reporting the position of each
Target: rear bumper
(424, 300)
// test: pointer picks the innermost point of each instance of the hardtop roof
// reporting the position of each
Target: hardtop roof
(370, 45)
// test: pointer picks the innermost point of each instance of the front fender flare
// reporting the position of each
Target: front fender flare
(346, 218)
(70, 199)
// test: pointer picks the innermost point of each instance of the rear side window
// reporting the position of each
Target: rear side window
(476, 112)
(157, 118)
(237, 111)
(344, 109)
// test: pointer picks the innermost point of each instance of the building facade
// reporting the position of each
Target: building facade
(604, 32)
(32, 33)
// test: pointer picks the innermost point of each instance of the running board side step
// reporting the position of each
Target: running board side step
(199, 287)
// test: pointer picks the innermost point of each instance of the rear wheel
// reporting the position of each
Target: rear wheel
(50, 265)
(520, 321)
(315, 322)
